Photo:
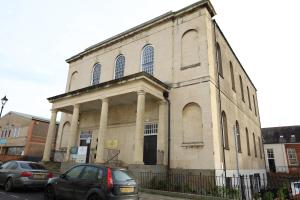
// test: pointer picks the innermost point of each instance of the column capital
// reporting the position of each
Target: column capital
(141, 92)
(162, 102)
(77, 105)
(106, 100)
(53, 110)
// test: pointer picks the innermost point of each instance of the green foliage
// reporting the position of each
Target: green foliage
(256, 196)
(282, 193)
(268, 196)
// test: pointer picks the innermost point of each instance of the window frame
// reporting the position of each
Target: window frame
(232, 76)
(119, 56)
(238, 137)
(219, 60)
(242, 88)
(225, 133)
(248, 142)
(99, 78)
(295, 156)
(142, 58)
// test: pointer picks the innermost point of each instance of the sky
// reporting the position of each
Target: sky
(36, 37)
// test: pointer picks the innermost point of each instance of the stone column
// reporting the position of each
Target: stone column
(162, 135)
(50, 134)
(139, 129)
(102, 131)
(73, 130)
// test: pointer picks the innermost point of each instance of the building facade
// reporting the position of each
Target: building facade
(282, 149)
(165, 93)
(23, 136)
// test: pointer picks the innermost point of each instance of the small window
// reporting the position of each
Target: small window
(254, 143)
(219, 60)
(249, 101)
(293, 138)
(238, 137)
(148, 59)
(242, 88)
(292, 156)
(248, 142)
(150, 129)
(120, 65)
(270, 153)
(74, 172)
(225, 131)
(90, 173)
(96, 74)
(260, 151)
(232, 76)
(254, 105)
(281, 139)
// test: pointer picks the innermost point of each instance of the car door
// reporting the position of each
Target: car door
(91, 177)
(3, 172)
(65, 184)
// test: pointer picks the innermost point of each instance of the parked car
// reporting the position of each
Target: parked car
(92, 182)
(23, 174)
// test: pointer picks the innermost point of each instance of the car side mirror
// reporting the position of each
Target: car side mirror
(63, 176)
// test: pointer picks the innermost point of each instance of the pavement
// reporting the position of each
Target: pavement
(38, 195)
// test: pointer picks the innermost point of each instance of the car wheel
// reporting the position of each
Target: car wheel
(49, 193)
(94, 197)
(8, 186)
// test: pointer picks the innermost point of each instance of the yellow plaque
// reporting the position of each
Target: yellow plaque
(111, 144)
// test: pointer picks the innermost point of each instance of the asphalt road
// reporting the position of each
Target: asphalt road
(38, 195)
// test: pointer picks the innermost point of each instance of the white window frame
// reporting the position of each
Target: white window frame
(270, 152)
(141, 59)
(153, 130)
(92, 78)
(114, 75)
(292, 155)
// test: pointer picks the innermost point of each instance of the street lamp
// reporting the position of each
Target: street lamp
(3, 102)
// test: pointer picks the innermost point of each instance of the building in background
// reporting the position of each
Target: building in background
(23, 136)
(149, 98)
(282, 149)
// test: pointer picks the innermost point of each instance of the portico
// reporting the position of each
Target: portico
(121, 108)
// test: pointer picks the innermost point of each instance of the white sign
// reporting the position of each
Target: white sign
(81, 154)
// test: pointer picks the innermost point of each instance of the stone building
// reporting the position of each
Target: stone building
(150, 96)
(23, 136)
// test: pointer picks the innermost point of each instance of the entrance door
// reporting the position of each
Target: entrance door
(150, 143)
(272, 165)
(150, 146)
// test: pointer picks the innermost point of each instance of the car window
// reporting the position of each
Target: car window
(6, 165)
(13, 165)
(74, 172)
(29, 166)
(121, 176)
(90, 173)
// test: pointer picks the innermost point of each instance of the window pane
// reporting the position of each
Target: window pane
(75, 172)
(90, 173)
(31, 166)
(120, 64)
(121, 176)
(96, 74)
(147, 59)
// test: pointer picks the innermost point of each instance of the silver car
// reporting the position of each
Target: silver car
(23, 174)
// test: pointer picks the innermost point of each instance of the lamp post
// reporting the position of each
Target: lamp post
(3, 102)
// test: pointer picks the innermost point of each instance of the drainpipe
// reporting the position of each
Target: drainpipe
(220, 105)
(166, 96)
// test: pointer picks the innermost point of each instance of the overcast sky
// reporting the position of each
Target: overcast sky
(37, 36)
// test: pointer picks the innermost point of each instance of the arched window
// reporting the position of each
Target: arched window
(120, 65)
(96, 74)
(248, 142)
(148, 59)
(219, 60)
(242, 89)
(249, 98)
(225, 131)
(254, 142)
(238, 137)
(232, 76)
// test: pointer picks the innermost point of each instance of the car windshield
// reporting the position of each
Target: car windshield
(32, 166)
(121, 176)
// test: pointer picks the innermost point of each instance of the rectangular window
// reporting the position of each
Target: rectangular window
(270, 153)
(259, 143)
(150, 129)
(254, 142)
(292, 156)
(254, 105)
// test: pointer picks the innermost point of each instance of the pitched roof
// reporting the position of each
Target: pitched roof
(28, 116)
(282, 134)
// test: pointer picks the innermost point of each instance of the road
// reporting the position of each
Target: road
(38, 195)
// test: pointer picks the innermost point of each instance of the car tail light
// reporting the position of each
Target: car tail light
(109, 179)
(26, 174)
(50, 175)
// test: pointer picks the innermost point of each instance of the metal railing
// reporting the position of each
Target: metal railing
(243, 187)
